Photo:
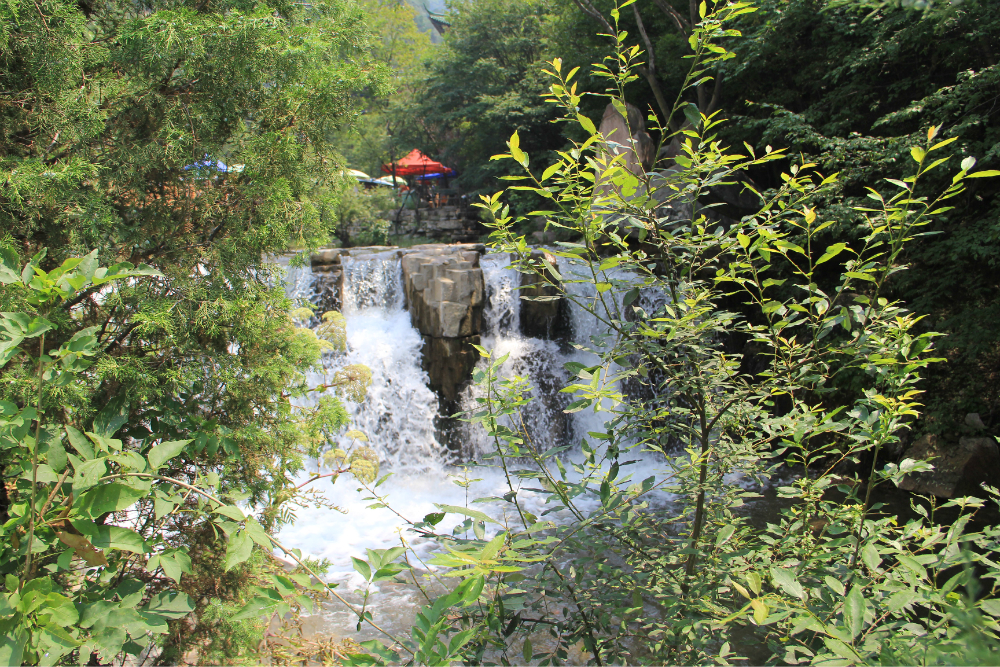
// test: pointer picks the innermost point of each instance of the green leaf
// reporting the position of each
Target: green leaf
(835, 585)
(760, 610)
(854, 611)
(991, 607)
(60, 610)
(842, 649)
(238, 550)
(454, 509)
(261, 605)
(112, 537)
(12, 647)
(56, 455)
(785, 579)
(9, 263)
(550, 170)
(173, 562)
(234, 513)
(724, 535)
(165, 451)
(990, 173)
(106, 498)
(57, 643)
(492, 548)
(362, 568)
(112, 417)
(257, 533)
(170, 605)
(87, 474)
(869, 554)
(80, 443)
(831, 252)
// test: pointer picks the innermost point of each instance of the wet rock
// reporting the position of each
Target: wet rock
(445, 296)
(958, 470)
(329, 286)
(539, 319)
(449, 363)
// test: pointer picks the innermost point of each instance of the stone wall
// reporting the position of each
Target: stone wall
(446, 223)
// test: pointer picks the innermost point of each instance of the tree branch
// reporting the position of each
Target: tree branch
(679, 20)
(592, 12)
(649, 71)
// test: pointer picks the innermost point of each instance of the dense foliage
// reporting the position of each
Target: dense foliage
(832, 580)
(850, 85)
(193, 138)
(852, 88)
(154, 410)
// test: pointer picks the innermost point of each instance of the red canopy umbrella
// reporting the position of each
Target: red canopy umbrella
(416, 164)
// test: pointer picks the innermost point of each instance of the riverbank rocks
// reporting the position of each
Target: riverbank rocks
(958, 470)
(540, 300)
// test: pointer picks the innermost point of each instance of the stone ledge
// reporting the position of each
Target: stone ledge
(958, 470)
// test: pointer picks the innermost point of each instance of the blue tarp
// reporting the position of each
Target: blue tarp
(208, 163)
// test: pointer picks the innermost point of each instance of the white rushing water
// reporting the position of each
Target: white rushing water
(398, 416)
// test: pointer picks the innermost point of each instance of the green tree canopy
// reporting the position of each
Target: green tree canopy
(114, 119)
(852, 85)
(484, 83)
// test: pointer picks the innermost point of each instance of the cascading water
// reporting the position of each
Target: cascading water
(398, 416)
(540, 361)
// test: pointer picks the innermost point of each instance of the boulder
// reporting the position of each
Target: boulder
(326, 256)
(539, 319)
(975, 422)
(958, 470)
(630, 138)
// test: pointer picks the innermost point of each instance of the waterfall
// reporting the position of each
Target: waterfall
(502, 314)
(372, 282)
(542, 361)
(397, 415)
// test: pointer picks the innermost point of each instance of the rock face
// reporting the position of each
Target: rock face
(329, 274)
(958, 471)
(630, 138)
(444, 290)
(539, 319)
(445, 296)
